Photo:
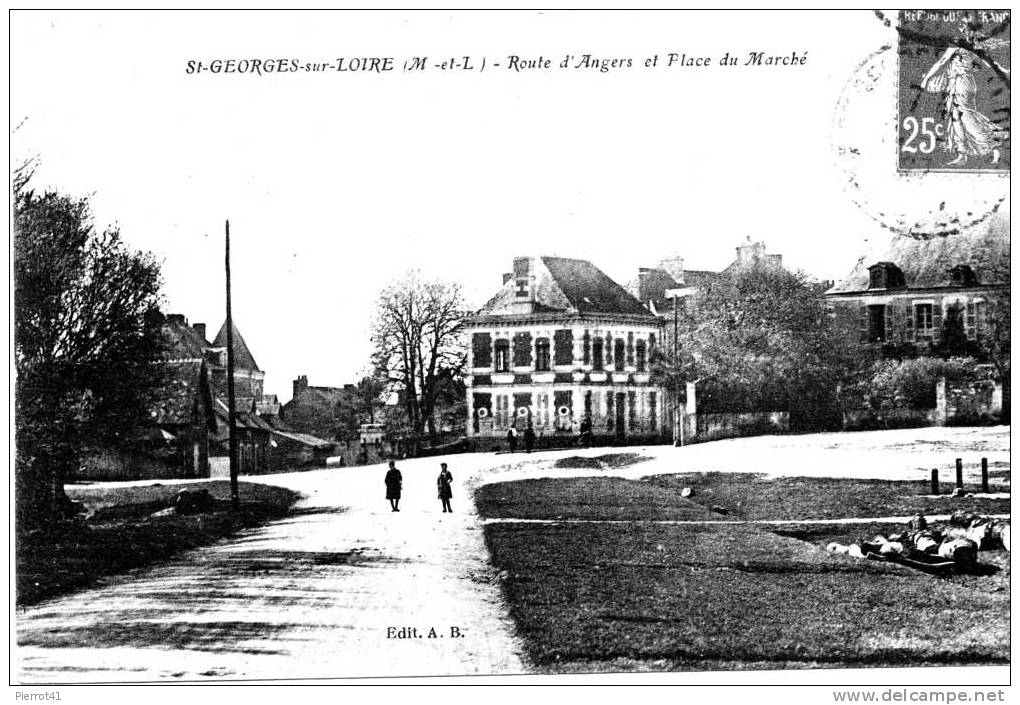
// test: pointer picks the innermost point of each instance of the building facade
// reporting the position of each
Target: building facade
(561, 344)
(917, 291)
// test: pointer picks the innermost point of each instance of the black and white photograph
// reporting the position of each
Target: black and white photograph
(464, 347)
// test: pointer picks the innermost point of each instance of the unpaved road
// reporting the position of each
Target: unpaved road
(324, 592)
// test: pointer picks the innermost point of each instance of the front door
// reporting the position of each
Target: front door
(621, 402)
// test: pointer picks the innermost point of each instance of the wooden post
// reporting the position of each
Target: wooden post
(959, 473)
(232, 413)
(934, 480)
(984, 475)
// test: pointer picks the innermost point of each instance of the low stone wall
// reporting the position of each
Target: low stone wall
(877, 419)
(712, 427)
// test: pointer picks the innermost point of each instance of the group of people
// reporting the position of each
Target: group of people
(529, 439)
(584, 438)
(395, 483)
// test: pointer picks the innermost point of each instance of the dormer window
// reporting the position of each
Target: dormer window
(962, 275)
(885, 275)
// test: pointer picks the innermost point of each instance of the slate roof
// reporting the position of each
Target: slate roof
(243, 359)
(926, 263)
(564, 285)
(183, 342)
(174, 402)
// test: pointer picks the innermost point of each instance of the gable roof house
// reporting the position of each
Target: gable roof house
(558, 347)
(906, 293)
(657, 288)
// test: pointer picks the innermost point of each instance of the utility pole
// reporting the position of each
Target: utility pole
(678, 427)
(232, 414)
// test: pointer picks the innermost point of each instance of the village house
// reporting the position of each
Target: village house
(657, 288)
(904, 297)
(561, 343)
(314, 409)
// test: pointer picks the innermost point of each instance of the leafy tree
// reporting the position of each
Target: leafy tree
(417, 340)
(86, 340)
(762, 340)
(358, 405)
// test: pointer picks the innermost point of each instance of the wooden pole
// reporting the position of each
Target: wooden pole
(678, 425)
(959, 473)
(232, 415)
(934, 480)
(984, 475)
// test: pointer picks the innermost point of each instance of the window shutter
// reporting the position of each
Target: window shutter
(863, 328)
(971, 321)
(587, 348)
(609, 349)
(908, 322)
(564, 342)
(890, 323)
(630, 348)
(936, 322)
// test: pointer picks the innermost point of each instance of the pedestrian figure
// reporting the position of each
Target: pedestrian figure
(511, 439)
(394, 482)
(445, 491)
(585, 438)
(529, 438)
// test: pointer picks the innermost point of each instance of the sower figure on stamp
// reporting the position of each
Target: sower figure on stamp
(968, 131)
(445, 490)
(394, 482)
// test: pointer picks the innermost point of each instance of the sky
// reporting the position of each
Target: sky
(336, 183)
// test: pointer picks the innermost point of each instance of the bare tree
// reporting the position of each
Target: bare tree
(417, 340)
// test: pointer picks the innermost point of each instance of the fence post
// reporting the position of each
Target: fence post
(959, 473)
(934, 480)
(984, 475)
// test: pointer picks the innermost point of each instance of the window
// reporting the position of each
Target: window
(618, 354)
(481, 349)
(885, 275)
(542, 355)
(564, 351)
(876, 323)
(924, 321)
(642, 355)
(596, 353)
(502, 363)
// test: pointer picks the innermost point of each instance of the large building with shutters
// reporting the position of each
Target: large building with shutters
(561, 343)
(907, 296)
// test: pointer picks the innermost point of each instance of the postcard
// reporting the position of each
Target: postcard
(512, 347)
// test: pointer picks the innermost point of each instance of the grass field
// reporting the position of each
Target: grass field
(120, 533)
(755, 497)
(645, 596)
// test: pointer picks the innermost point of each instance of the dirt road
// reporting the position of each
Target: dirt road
(326, 591)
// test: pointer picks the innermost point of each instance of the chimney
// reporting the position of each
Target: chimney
(200, 329)
(524, 290)
(750, 252)
(300, 385)
(176, 319)
(507, 276)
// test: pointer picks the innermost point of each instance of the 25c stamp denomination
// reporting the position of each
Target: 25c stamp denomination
(954, 90)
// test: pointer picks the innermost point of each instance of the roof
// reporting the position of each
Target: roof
(304, 439)
(243, 358)
(926, 262)
(183, 342)
(174, 401)
(568, 285)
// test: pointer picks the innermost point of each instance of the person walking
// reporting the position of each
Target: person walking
(529, 438)
(445, 490)
(394, 483)
(511, 439)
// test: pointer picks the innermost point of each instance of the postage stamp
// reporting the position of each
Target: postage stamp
(954, 91)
